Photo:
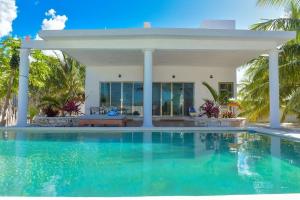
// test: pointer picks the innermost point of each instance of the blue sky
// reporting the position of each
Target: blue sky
(98, 14)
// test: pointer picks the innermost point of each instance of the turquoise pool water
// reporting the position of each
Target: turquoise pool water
(143, 164)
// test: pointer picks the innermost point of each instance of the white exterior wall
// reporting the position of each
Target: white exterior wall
(218, 24)
(196, 75)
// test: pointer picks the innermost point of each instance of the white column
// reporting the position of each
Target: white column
(148, 88)
(23, 88)
(274, 89)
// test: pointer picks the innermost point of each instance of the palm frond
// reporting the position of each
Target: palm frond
(212, 91)
(278, 2)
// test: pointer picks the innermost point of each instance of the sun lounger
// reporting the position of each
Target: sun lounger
(102, 120)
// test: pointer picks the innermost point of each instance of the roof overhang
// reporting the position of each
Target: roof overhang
(197, 33)
(100, 46)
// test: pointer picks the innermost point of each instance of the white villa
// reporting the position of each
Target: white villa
(158, 71)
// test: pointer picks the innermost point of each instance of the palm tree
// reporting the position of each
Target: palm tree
(254, 90)
(10, 50)
(221, 99)
(52, 80)
(66, 82)
(279, 2)
(290, 23)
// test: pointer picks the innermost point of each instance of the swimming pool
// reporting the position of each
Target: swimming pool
(147, 164)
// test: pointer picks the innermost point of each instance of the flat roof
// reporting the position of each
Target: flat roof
(168, 32)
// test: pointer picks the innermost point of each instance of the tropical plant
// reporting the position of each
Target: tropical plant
(221, 99)
(287, 23)
(9, 73)
(210, 109)
(49, 111)
(65, 84)
(228, 114)
(32, 111)
(53, 80)
(9, 65)
(254, 92)
(278, 2)
(72, 106)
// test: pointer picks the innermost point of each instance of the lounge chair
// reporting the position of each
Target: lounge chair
(102, 120)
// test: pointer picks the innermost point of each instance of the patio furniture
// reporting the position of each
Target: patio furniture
(192, 112)
(102, 120)
(98, 110)
(94, 110)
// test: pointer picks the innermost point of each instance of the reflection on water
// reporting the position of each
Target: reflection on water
(137, 163)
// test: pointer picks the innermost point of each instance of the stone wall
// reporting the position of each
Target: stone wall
(56, 121)
(197, 121)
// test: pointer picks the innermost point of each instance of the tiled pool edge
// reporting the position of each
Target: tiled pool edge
(225, 197)
(264, 130)
(122, 129)
(276, 132)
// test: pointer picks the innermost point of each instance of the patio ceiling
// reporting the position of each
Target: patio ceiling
(197, 58)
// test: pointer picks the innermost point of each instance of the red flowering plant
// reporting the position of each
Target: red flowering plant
(72, 107)
(210, 109)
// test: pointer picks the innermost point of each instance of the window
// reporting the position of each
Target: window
(156, 97)
(105, 94)
(172, 99)
(115, 95)
(166, 96)
(138, 99)
(188, 97)
(128, 97)
(178, 98)
(226, 89)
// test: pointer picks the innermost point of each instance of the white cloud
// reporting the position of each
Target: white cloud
(50, 12)
(8, 13)
(56, 22)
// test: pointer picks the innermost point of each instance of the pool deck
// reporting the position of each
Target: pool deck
(227, 197)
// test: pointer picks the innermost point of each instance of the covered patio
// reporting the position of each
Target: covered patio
(159, 56)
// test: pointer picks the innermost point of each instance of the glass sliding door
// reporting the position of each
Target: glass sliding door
(156, 96)
(166, 98)
(178, 99)
(105, 94)
(138, 99)
(116, 95)
(188, 97)
(172, 99)
(127, 98)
